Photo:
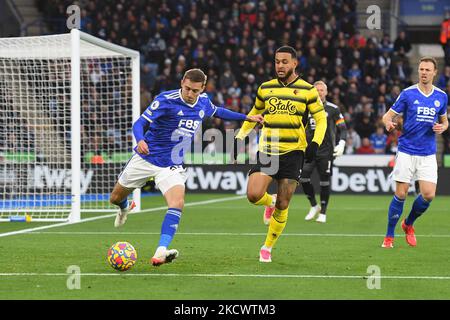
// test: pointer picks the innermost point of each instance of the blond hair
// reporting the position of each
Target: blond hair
(195, 75)
(429, 59)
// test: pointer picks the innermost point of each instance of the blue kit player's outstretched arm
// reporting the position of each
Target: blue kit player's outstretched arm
(424, 109)
(162, 132)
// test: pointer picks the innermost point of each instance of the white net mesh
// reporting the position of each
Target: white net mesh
(35, 125)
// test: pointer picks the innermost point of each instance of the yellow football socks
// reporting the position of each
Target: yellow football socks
(266, 200)
(276, 227)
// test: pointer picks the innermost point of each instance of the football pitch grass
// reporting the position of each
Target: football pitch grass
(219, 238)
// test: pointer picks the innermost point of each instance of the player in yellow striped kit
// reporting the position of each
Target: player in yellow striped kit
(285, 103)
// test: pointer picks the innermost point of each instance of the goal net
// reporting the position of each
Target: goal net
(67, 104)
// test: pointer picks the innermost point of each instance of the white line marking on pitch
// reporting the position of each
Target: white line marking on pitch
(113, 215)
(295, 207)
(206, 275)
(234, 234)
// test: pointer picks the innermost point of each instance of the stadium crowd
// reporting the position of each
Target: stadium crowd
(234, 43)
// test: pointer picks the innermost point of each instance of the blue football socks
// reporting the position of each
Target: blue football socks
(418, 208)
(394, 214)
(124, 204)
(169, 226)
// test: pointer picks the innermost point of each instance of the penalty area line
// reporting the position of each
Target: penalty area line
(233, 234)
(206, 275)
(56, 225)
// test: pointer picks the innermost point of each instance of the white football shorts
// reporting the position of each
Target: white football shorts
(408, 168)
(137, 172)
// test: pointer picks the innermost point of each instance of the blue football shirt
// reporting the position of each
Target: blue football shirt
(173, 123)
(420, 112)
(378, 142)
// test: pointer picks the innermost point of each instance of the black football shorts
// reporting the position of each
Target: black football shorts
(285, 166)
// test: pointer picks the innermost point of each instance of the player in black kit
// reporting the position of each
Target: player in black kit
(325, 155)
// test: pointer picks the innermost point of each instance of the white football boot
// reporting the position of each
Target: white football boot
(312, 212)
(322, 218)
(162, 255)
(122, 214)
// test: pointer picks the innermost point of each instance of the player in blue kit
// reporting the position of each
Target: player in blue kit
(424, 109)
(162, 133)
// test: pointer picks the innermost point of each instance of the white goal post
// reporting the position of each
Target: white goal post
(67, 104)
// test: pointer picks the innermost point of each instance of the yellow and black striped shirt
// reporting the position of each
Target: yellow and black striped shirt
(284, 107)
